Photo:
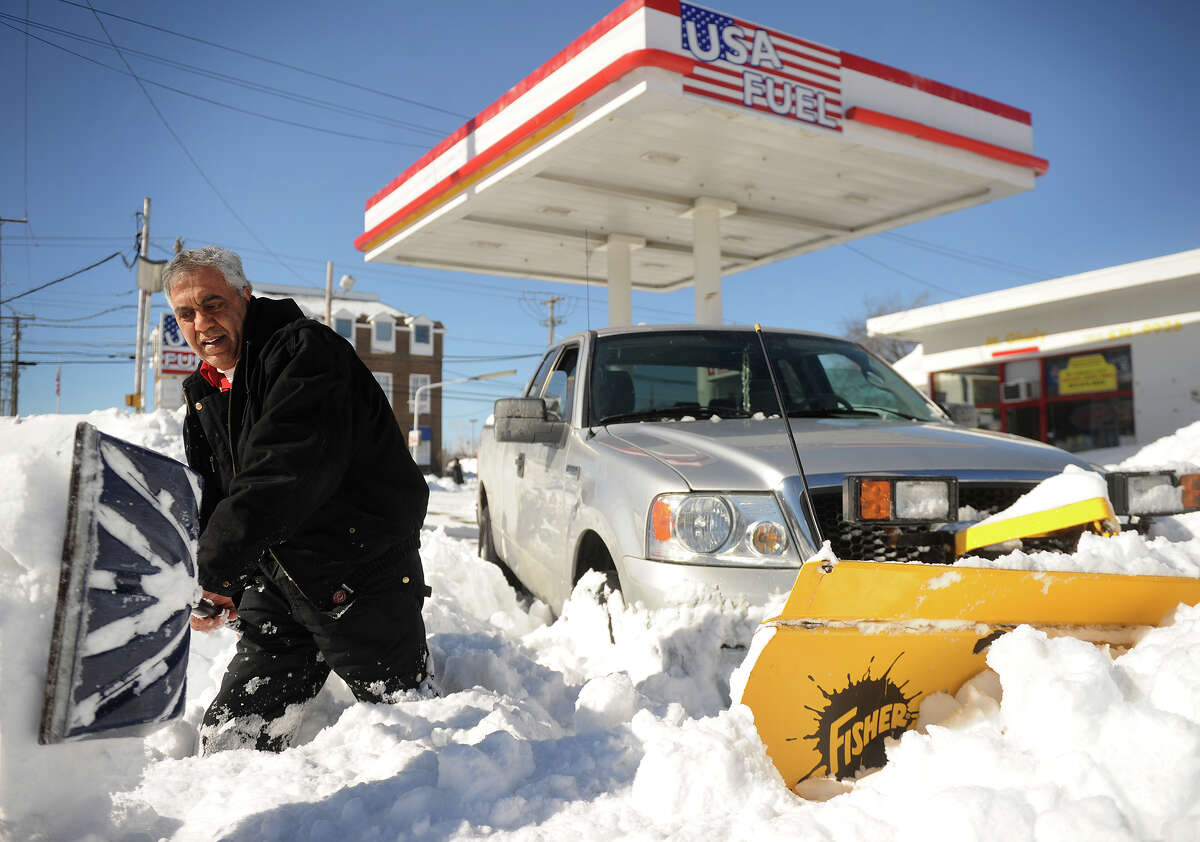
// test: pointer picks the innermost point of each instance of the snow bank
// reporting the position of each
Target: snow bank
(36, 781)
(609, 722)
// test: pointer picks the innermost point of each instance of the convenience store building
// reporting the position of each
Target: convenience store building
(1101, 359)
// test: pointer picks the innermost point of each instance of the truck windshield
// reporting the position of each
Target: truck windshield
(674, 374)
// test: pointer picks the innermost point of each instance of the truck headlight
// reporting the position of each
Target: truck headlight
(703, 523)
(1153, 492)
(895, 499)
(719, 529)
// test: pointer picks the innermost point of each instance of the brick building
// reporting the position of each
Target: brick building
(402, 350)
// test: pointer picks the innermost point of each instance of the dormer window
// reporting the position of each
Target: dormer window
(383, 334)
(421, 337)
(344, 327)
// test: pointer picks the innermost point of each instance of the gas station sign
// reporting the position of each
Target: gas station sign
(176, 358)
(762, 69)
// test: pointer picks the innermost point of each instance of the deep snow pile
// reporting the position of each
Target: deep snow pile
(610, 722)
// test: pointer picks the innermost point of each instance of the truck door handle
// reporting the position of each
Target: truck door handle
(573, 471)
(521, 464)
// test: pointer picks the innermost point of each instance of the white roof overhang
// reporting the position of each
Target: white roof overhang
(1167, 285)
(645, 113)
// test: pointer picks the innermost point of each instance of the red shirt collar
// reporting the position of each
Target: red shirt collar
(215, 377)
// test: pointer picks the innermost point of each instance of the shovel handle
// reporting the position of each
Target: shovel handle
(205, 608)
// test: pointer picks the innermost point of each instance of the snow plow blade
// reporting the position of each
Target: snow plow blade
(860, 644)
(119, 646)
(1095, 514)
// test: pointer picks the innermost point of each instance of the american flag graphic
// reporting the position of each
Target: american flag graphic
(176, 357)
(170, 331)
(748, 65)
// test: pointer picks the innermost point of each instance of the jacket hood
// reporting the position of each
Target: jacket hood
(264, 316)
(750, 454)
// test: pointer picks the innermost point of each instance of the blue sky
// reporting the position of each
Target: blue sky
(1113, 88)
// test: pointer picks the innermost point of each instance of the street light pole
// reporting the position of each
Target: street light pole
(414, 435)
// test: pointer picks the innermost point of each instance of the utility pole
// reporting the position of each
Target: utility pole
(138, 398)
(15, 377)
(14, 369)
(551, 321)
(329, 293)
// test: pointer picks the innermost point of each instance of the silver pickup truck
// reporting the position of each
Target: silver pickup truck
(660, 455)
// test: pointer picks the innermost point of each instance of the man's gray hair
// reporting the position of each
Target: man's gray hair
(223, 260)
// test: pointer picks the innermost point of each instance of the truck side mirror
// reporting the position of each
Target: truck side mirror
(523, 420)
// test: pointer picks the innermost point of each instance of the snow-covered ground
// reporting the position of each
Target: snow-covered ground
(606, 723)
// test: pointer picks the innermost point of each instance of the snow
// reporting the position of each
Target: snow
(1071, 486)
(609, 722)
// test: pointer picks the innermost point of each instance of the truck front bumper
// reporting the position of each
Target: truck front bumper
(659, 583)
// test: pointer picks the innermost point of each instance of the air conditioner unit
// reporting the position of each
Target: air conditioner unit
(1020, 390)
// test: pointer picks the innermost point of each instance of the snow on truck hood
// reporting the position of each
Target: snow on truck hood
(749, 454)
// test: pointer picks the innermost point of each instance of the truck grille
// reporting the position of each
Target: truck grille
(867, 542)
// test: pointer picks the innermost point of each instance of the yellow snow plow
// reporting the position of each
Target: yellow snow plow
(859, 644)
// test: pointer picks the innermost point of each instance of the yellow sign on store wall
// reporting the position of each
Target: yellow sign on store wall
(1088, 373)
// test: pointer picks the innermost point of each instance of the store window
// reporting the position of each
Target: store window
(1022, 381)
(1079, 401)
(970, 395)
(1092, 404)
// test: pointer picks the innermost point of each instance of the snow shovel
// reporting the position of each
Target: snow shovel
(860, 644)
(119, 647)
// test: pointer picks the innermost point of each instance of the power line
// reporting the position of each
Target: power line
(458, 339)
(90, 316)
(119, 361)
(959, 254)
(461, 358)
(59, 280)
(866, 256)
(55, 352)
(26, 104)
(186, 151)
(218, 103)
(257, 57)
(60, 326)
(234, 80)
(458, 397)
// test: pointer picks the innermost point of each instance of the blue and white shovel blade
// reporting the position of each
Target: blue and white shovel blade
(118, 655)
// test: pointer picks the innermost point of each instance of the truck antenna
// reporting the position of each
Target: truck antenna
(787, 425)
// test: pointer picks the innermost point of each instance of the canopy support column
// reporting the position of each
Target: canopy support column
(706, 213)
(619, 248)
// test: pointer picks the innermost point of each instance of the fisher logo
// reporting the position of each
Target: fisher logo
(856, 720)
(760, 68)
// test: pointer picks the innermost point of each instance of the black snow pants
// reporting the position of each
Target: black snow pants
(288, 647)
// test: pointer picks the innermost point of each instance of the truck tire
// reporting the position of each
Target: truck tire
(594, 555)
(487, 545)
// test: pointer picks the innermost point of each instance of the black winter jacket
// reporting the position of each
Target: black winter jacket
(303, 462)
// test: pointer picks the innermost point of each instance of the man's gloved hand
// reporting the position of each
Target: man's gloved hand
(214, 611)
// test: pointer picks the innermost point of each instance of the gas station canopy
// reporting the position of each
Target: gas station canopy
(670, 145)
